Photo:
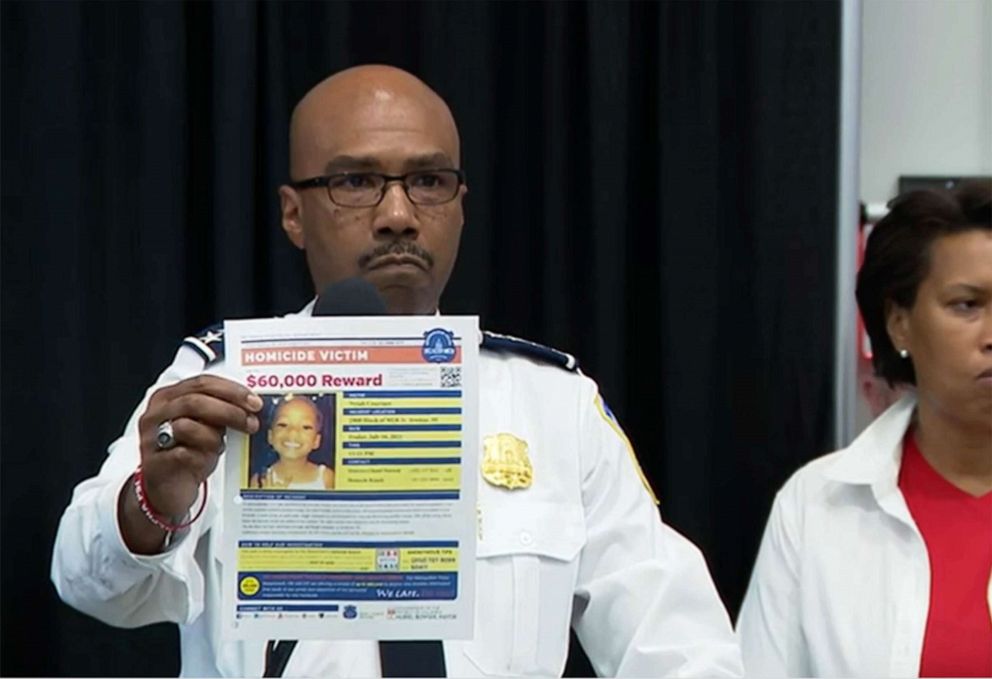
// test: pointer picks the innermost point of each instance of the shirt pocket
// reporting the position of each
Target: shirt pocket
(525, 578)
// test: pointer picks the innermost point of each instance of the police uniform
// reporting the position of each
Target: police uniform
(574, 541)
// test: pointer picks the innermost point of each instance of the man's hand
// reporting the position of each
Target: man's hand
(200, 409)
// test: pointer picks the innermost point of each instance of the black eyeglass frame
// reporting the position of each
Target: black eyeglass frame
(387, 179)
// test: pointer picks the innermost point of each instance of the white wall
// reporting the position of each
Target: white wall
(926, 91)
(926, 96)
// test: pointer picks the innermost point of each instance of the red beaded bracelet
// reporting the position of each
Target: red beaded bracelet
(158, 519)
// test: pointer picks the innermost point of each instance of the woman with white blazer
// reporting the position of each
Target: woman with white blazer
(876, 560)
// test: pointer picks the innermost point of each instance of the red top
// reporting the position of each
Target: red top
(957, 529)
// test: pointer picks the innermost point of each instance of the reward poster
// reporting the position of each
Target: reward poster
(350, 514)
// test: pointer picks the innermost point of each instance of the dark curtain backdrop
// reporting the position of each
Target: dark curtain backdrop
(652, 188)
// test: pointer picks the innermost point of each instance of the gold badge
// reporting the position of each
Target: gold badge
(505, 462)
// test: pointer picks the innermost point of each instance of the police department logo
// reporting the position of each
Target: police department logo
(350, 612)
(439, 346)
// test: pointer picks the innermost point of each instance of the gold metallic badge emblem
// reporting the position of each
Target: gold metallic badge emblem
(505, 462)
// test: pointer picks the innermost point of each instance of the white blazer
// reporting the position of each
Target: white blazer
(841, 586)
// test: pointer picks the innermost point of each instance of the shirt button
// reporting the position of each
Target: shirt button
(526, 538)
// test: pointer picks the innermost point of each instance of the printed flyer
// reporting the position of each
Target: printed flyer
(351, 513)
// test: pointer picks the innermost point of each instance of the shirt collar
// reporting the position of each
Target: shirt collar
(873, 457)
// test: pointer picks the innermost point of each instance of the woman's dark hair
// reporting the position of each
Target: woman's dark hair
(897, 259)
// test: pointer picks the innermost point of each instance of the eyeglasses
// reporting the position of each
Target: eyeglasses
(366, 189)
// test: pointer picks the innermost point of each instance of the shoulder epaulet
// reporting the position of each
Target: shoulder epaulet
(505, 343)
(209, 343)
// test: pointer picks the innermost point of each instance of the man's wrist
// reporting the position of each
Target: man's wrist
(138, 534)
(166, 523)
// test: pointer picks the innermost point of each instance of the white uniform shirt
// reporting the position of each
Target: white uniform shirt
(841, 586)
(583, 546)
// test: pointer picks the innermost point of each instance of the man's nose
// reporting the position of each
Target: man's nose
(395, 215)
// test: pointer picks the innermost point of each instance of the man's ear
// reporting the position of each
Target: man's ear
(897, 325)
(292, 215)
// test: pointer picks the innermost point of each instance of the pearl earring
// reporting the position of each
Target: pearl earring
(904, 353)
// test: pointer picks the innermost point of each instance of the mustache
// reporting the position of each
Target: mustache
(398, 247)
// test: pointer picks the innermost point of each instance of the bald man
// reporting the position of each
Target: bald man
(353, 128)
(577, 541)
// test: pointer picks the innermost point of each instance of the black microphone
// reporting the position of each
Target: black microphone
(350, 297)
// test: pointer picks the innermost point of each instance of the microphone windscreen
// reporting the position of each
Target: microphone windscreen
(350, 297)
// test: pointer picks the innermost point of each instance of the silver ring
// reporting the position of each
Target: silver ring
(165, 438)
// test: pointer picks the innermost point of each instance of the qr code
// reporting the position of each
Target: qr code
(451, 377)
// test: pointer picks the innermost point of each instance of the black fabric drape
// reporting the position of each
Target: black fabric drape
(652, 188)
